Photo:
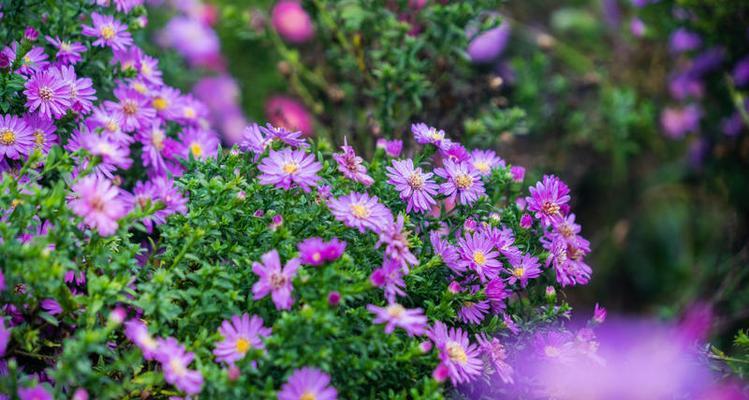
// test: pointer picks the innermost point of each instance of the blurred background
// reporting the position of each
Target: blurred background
(639, 105)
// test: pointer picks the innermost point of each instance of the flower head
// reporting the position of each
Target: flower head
(314, 251)
(133, 107)
(392, 148)
(108, 32)
(174, 361)
(429, 135)
(414, 186)
(457, 353)
(413, 321)
(484, 161)
(462, 181)
(389, 277)
(47, 94)
(395, 240)
(547, 198)
(68, 53)
(37, 392)
(478, 254)
(473, 312)
(137, 332)
(522, 269)
(240, 333)
(350, 165)
(291, 138)
(495, 355)
(308, 384)
(198, 143)
(447, 252)
(16, 138)
(42, 130)
(275, 280)
(81, 91)
(289, 168)
(99, 203)
(360, 211)
(291, 22)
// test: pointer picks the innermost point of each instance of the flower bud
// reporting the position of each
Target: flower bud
(30, 34)
(334, 298)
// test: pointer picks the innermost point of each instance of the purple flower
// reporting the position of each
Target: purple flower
(16, 138)
(526, 221)
(35, 60)
(124, 6)
(275, 280)
(4, 338)
(157, 146)
(392, 148)
(496, 356)
(43, 131)
(554, 346)
(165, 101)
(51, 306)
(473, 312)
(455, 152)
(162, 190)
(599, 314)
(487, 46)
(413, 321)
(174, 361)
(360, 211)
(137, 332)
(496, 293)
(457, 353)
(288, 113)
(314, 251)
(518, 173)
(148, 70)
(683, 40)
(191, 38)
(113, 154)
(254, 141)
(567, 259)
(291, 22)
(308, 383)
(350, 165)
(523, 268)
(289, 168)
(37, 392)
(478, 254)
(677, 122)
(30, 34)
(199, 143)
(462, 181)
(68, 53)
(108, 31)
(484, 161)
(291, 138)
(47, 94)
(99, 203)
(447, 252)
(414, 186)
(390, 278)
(429, 135)
(240, 334)
(82, 94)
(133, 107)
(395, 240)
(741, 72)
(637, 27)
(547, 198)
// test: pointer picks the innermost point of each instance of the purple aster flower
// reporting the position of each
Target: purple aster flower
(240, 334)
(16, 138)
(413, 321)
(457, 353)
(308, 383)
(133, 107)
(292, 22)
(350, 165)
(47, 94)
(144, 195)
(567, 260)
(199, 143)
(496, 293)
(523, 268)
(99, 203)
(484, 161)
(489, 45)
(678, 121)
(392, 148)
(414, 186)
(37, 392)
(360, 211)
(447, 252)
(503, 239)
(683, 40)
(395, 240)
(741, 72)
(113, 154)
(174, 361)
(314, 251)
(289, 168)
(473, 312)
(137, 332)
(124, 6)
(390, 278)
(4, 338)
(111, 123)
(477, 253)
(429, 135)
(165, 101)
(293, 139)
(526, 221)
(496, 357)
(43, 131)
(599, 314)
(198, 43)
(68, 53)
(462, 181)
(156, 148)
(148, 70)
(35, 60)
(518, 173)
(566, 228)
(547, 198)
(51, 306)
(30, 34)
(455, 152)
(82, 94)
(275, 280)
(254, 141)
(554, 346)
(108, 31)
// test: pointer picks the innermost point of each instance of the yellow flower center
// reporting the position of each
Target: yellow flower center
(308, 396)
(157, 139)
(39, 138)
(140, 88)
(416, 181)
(196, 150)
(45, 93)
(243, 345)
(518, 272)
(550, 208)
(316, 257)
(107, 32)
(463, 181)
(160, 103)
(551, 351)
(112, 126)
(7, 137)
(27, 59)
(130, 108)
(65, 46)
(396, 310)
(456, 352)
(479, 257)
(481, 166)
(177, 367)
(436, 135)
(360, 211)
(290, 168)
(189, 112)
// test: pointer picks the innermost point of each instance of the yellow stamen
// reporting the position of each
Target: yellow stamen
(463, 181)
(243, 345)
(7, 137)
(479, 257)
(360, 211)
(196, 150)
(456, 352)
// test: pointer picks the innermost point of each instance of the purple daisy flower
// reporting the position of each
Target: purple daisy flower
(254, 141)
(99, 203)
(47, 94)
(390, 278)
(293, 139)
(429, 135)
(496, 292)
(396, 243)
(4, 338)
(148, 70)
(477, 253)
(82, 94)
(37, 392)
(473, 312)
(518, 173)
(16, 138)
(111, 124)
(496, 357)
(484, 161)
(174, 361)
(289, 168)
(457, 353)
(275, 280)
(33, 61)
(156, 146)
(199, 143)
(308, 383)
(360, 211)
(137, 332)
(314, 251)
(133, 107)
(413, 321)
(547, 198)
(68, 53)
(392, 148)
(160, 189)
(43, 131)
(165, 101)
(350, 165)
(523, 268)
(414, 186)
(462, 181)
(113, 154)
(447, 252)
(455, 152)
(504, 240)
(554, 346)
(240, 335)
(108, 31)
(566, 228)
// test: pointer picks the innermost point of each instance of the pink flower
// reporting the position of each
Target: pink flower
(99, 203)
(37, 392)
(289, 168)
(463, 181)
(393, 236)
(350, 165)
(288, 113)
(314, 251)
(174, 361)
(292, 22)
(16, 138)
(308, 383)
(413, 321)
(414, 186)
(108, 31)
(47, 94)
(240, 335)
(360, 211)
(275, 280)
(478, 254)
(137, 332)
(457, 353)
(547, 198)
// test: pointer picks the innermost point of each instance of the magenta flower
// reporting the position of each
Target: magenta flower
(429, 135)
(414, 186)
(68, 53)
(191, 38)
(99, 203)
(484, 161)
(477, 253)
(360, 211)
(137, 332)
(289, 168)
(35, 60)
(350, 165)
(275, 280)
(288, 113)
(16, 138)
(518, 173)
(496, 292)
(148, 70)
(161, 190)
(37, 392)
(254, 141)
(291, 138)
(4, 338)
(567, 260)
(390, 278)
(199, 143)
(81, 91)
(314, 251)
(413, 321)
(113, 154)
(447, 252)
(455, 152)
(157, 147)
(396, 243)
(108, 31)
(240, 334)
(547, 198)
(473, 312)
(47, 94)
(133, 107)
(523, 268)
(462, 181)
(165, 101)
(43, 131)
(392, 148)
(291, 22)
(308, 383)
(599, 314)
(496, 356)
(457, 353)
(174, 361)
